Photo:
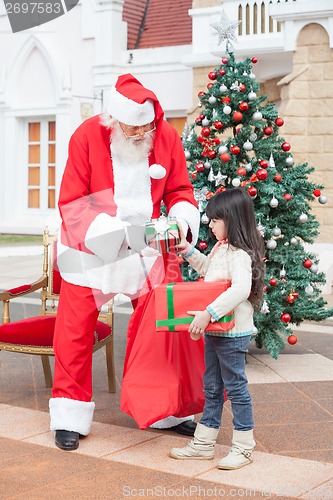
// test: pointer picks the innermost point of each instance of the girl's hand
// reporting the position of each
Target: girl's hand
(199, 324)
(183, 242)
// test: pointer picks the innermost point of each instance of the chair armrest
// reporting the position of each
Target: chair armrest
(22, 290)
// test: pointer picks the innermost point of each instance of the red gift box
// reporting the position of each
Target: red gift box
(173, 300)
(162, 234)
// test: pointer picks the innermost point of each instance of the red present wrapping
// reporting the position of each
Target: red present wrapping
(162, 234)
(173, 300)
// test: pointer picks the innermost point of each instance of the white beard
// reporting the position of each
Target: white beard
(130, 150)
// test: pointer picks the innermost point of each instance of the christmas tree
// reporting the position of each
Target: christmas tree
(235, 141)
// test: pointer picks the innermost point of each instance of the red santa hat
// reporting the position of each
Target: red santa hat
(131, 103)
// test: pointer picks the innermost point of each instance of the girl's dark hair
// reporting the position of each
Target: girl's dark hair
(235, 208)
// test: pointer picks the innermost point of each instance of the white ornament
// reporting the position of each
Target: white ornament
(314, 268)
(205, 122)
(156, 171)
(309, 290)
(220, 179)
(264, 308)
(204, 219)
(236, 182)
(271, 244)
(322, 199)
(248, 167)
(271, 162)
(187, 154)
(207, 164)
(257, 116)
(253, 137)
(252, 96)
(282, 273)
(303, 218)
(294, 241)
(276, 231)
(225, 29)
(274, 202)
(227, 110)
(212, 99)
(248, 146)
(252, 76)
(223, 89)
(223, 149)
(211, 176)
(261, 229)
(289, 161)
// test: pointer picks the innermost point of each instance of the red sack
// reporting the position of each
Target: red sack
(173, 300)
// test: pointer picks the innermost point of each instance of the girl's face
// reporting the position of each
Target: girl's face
(219, 229)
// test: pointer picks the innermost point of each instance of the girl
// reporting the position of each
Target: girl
(238, 257)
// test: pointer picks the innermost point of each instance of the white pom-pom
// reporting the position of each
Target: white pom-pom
(157, 171)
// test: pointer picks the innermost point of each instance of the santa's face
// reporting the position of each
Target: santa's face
(137, 133)
(135, 146)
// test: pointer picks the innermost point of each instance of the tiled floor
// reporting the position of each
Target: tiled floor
(293, 407)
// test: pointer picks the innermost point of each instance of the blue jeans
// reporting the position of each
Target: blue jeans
(225, 370)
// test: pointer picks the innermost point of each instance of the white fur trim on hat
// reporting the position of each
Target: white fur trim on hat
(71, 415)
(128, 111)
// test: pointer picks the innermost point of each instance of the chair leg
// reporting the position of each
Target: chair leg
(47, 370)
(110, 366)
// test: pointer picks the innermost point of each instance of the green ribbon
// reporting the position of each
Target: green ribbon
(171, 322)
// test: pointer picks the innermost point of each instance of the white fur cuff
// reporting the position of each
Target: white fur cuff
(191, 215)
(105, 236)
(71, 415)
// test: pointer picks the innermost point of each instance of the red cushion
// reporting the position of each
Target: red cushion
(38, 331)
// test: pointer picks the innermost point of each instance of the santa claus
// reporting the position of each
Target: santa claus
(121, 166)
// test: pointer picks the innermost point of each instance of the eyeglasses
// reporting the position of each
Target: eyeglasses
(131, 132)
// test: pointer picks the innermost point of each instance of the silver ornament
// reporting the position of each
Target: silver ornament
(220, 178)
(314, 268)
(227, 110)
(204, 219)
(248, 167)
(282, 273)
(212, 99)
(261, 229)
(222, 149)
(205, 122)
(211, 176)
(294, 241)
(276, 231)
(207, 164)
(309, 290)
(322, 199)
(199, 104)
(187, 154)
(248, 146)
(236, 182)
(274, 202)
(252, 96)
(253, 137)
(289, 161)
(303, 218)
(252, 76)
(271, 162)
(223, 89)
(271, 244)
(257, 116)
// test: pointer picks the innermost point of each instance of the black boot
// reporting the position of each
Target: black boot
(67, 440)
(186, 428)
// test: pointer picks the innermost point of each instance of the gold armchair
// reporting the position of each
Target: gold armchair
(35, 335)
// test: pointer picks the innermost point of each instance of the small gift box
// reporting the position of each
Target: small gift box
(173, 300)
(162, 234)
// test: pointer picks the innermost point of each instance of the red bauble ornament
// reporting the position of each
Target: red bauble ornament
(268, 130)
(279, 122)
(292, 339)
(225, 60)
(273, 281)
(290, 299)
(237, 116)
(286, 146)
(252, 191)
(287, 196)
(295, 294)
(201, 94)
(307, 263)
(254, 60)
(211, 154)
(201, 116)
(226, 99)
(262, 174)
(317, 192)
(180, 260)
(205, 131)
(212, 75)
(277, 178)
(243, 106)
(235, 151)
(225, 157)
(198, 121)
(209, 85)
(218, 125)
(241, 171)
(200, 279)
(203, 245)
(242, 87)
(200, 167)
(285, 317)
(222, 72)
(263, 163)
